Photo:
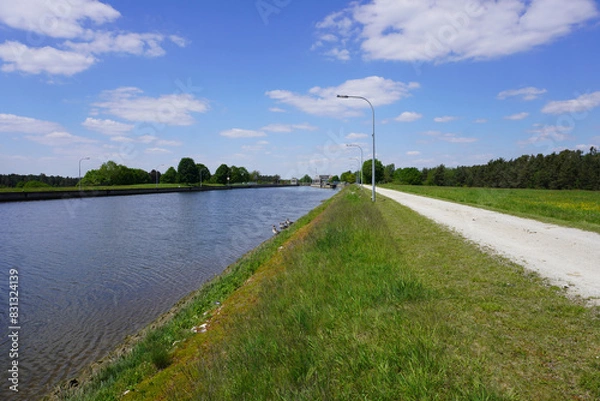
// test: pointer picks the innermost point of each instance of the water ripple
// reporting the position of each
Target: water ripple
(96, 270)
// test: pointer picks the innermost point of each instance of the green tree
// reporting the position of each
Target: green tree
(408, 176)
(203, 172)
(348, 177)
(187, 171)
(238, 174)
(220, 176)
(335, 178)
(306, 179)
(169, 176)
(439, 175)
(254, 175)
(388, 172)
(366, 170)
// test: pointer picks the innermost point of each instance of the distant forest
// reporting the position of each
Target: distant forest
(31, 180)
(569, 169)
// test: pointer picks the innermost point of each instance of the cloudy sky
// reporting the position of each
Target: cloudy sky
(253, 83)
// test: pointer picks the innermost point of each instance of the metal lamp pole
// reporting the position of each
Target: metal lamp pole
(361, 160)
(373, 163)
(80, 160)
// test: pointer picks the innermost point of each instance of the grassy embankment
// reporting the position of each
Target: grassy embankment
(579, 209)
(375, 302)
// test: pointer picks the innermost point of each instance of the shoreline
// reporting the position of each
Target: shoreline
(95, 193)
(205, 300)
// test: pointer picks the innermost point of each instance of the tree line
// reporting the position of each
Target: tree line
(568, 169)
(32, 180)
(188, 172)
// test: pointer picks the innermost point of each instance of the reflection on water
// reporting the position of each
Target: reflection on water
(93, 271)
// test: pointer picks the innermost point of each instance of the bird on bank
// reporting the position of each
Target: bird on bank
(288, 222)
(275, 230)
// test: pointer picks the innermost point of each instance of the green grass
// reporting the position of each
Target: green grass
(151, 351)
(374, 302)
(579, 209)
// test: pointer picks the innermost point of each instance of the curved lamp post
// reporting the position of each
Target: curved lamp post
(80, 160)
(361, 160)
(373, 163)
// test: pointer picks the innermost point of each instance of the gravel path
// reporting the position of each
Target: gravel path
(568, 257)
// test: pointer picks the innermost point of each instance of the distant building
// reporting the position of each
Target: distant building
(294, 181)
(321, 181)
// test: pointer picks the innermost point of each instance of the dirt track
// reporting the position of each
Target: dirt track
(568, 257)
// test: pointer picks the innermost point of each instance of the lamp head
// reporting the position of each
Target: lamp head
(343, 96)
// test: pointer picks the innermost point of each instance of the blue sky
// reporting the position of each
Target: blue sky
(254, 83)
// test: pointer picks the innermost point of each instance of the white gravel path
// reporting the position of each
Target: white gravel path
(568, 257)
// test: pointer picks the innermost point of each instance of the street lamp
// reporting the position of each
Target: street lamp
(373, 163)
(361, 159)
(80, 160)
(156, 173)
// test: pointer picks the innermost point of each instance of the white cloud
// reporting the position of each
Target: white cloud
(56, 18)
(58, 138)
(449, 137)
(78, 22)
(241, 133)
(25, 125)
(356, 136)
(107, 127)
(139, 44)
(518, 116)
(408, 116)
(582, 103)
(178, 40)
(445, 119)
(324, 101)
(277, 110)
(413, 153)
(481, 121)
(585, 148)
(121, 139)
(156, 151)
(164, 142)
(450, 30)
(129, 104)
(543, 133)
(19, 57)
(340, 54)
(288, 127)
(529, 93)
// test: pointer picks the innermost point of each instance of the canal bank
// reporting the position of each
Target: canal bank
(100, 269)
(141, 352)
(95, 193)
(387, 305)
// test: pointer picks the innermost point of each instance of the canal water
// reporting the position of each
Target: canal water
(92, 271)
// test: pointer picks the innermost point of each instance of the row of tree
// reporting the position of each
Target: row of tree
(569, 169)
(31, 180)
